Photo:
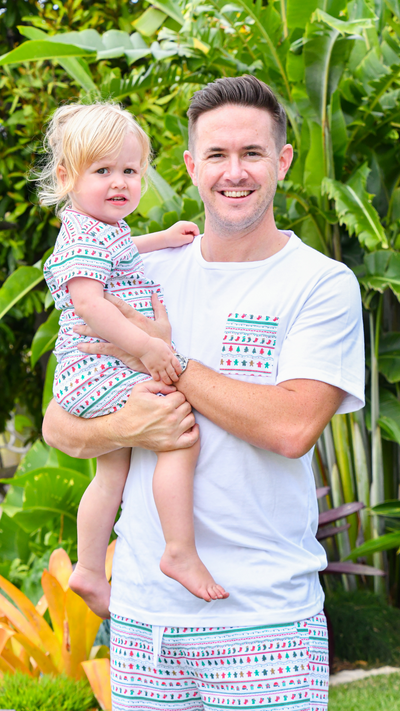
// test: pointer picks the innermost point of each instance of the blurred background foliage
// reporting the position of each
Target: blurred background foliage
(335, 66)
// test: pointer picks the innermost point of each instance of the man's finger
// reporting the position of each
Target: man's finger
(160, 312)
(128, 311)
(122, 305)
(152, 387)
(101, 347)
(108, 349)
(85, 330)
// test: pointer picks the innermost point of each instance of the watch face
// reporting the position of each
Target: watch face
(183, 360)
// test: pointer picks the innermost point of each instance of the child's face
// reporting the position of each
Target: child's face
(110, 188)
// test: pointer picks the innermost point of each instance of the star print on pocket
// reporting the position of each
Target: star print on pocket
(248, 346)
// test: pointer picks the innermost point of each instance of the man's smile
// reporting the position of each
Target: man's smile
(236, 193)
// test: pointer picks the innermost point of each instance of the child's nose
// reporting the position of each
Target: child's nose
(119, 181)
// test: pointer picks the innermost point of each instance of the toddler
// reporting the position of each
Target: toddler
(98, 156)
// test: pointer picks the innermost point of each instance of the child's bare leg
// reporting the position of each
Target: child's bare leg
(173, 494)
(96, 516)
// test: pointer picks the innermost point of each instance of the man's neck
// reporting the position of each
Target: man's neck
(252, 246)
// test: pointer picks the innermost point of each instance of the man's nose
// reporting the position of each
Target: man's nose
(235, 170)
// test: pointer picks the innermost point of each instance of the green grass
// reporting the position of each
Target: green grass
(23, 693)
(377, 693)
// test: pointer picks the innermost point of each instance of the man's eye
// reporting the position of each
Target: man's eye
(215, 155)
(252, 154)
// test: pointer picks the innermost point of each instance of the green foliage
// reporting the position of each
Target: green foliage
(39, 514)
(354, 209)
(24, 693)
(365, 628)
(336, 71)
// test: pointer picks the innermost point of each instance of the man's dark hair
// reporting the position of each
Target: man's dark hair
(243, 91)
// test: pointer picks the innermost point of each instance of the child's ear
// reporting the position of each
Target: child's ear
(61, 174)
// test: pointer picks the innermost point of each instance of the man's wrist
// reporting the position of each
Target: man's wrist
(183, 361)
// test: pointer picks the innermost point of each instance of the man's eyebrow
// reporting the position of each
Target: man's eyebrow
(254, 147)
(214, 149)
(219, 149)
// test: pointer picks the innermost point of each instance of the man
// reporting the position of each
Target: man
(273, 334)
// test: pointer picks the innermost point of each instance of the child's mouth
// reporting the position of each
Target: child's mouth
(119, 199)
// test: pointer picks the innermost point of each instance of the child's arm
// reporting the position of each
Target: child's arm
(179, 234)
(107, 321)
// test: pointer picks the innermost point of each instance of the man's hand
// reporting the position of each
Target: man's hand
(156, 423)
(159, 328)
(148, 421)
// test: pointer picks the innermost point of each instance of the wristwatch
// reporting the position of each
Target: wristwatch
(183, 361)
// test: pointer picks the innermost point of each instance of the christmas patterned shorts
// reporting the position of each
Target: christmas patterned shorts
(93, 385)
(280, 667)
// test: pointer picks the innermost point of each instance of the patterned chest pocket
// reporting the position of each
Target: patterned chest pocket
(248, 347)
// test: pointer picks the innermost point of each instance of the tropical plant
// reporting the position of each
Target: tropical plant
(327, 529)
(29, 644)
(337, 72)
(39, 514)
(388, 541)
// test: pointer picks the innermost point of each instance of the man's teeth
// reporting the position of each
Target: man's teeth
(236, 193)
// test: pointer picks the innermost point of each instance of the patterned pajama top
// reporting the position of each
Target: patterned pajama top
(94, 385)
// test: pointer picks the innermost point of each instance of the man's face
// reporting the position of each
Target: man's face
(236, 166)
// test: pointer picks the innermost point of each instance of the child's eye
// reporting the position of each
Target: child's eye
(102, 171)
(129, 171)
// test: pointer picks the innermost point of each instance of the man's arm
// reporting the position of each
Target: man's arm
(286, 419)
(148, 421)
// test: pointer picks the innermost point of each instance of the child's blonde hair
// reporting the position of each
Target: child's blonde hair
(78, 135)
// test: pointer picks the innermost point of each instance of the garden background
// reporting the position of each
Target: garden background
(335, 66)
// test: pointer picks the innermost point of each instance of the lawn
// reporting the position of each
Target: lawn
(377, 693)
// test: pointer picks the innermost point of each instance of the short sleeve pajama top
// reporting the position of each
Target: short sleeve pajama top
(90, 385)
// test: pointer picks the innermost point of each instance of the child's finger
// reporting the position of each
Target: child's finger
(172, 373)
(165, 377)
(190, 227)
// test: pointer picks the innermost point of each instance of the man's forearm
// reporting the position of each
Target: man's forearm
(76, 436)
(148, 421)
(286, 419)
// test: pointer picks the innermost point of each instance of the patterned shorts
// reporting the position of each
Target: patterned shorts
(281, 667)
(93, 385)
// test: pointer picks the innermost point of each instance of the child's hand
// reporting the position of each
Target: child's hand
(181, 233)
(160, 361)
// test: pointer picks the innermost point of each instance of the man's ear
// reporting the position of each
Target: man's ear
(191, 169)
(61, 174)
(285, 160)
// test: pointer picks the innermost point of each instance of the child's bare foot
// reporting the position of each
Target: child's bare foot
(94, 589)
(187, 568)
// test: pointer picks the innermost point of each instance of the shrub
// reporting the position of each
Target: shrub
(365, 627)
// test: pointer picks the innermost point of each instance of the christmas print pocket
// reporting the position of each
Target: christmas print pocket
(248, 347)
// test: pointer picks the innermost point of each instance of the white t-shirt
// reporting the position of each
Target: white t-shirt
(296, 314)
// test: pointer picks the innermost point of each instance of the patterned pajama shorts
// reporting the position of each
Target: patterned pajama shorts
(281, 667)
(93, 385)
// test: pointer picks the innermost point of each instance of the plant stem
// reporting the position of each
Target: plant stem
(377, 492)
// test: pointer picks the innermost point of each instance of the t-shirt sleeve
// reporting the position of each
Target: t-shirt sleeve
(79, 256)
(325, 341)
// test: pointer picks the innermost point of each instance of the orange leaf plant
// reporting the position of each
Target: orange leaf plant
(29, 644)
